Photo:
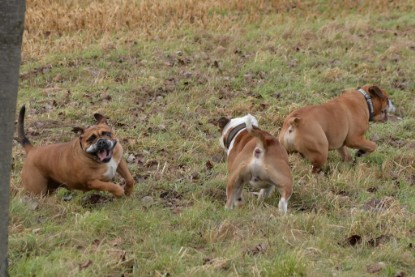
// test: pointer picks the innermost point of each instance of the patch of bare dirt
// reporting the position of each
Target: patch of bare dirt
(354, 240)
(35, 72)
(95, 199)
(257, 249)
(382, 239)
(379, 204)
(214, 194)
(393, 141)
(376, 267)
(174, 201)
(216, 263)
(351, 241)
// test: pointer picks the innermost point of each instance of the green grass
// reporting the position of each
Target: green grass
(162, 96)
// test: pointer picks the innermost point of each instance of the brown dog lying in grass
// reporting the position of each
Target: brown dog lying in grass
(337, 124)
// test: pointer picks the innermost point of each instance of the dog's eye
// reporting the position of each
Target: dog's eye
(91, 138)
(108, 134)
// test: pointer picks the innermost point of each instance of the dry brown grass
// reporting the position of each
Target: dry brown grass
(52, 25)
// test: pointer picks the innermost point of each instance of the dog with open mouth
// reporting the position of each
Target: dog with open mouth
(337, 124)
(88, 162)
(255, 157)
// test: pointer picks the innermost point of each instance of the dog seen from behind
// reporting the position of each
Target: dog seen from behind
(342, 122)
(87, 162)
(255, 157)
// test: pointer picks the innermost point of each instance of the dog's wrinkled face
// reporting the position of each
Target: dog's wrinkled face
(98, 140)
(383, 104)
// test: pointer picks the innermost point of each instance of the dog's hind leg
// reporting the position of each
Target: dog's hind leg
(284, 186)
(34, 181)
(317, 159)
(316, 150)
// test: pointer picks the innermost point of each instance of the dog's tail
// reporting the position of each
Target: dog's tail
(22, 139)
(261, 143)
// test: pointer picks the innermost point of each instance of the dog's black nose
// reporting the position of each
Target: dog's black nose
(101, 143)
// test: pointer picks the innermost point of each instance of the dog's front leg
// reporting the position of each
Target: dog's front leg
(364, 145)
(122, 169)
(117, 190)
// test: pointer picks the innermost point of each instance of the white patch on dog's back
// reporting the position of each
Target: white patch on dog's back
(250, 119)
(289, 137)
(111, 169)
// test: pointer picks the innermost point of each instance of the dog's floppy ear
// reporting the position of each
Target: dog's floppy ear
(295, 121)
(376, 91)
(78, 130)
(222, 122)
(100, 118)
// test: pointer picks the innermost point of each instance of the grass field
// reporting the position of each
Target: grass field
(164, 72)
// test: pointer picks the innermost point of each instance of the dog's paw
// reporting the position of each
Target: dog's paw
(119, 192)
(128, 190)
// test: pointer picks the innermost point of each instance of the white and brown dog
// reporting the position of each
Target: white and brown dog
(254, 157)
(342, 122)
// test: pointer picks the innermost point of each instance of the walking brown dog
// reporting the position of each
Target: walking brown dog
(337, 124)
(254, 157)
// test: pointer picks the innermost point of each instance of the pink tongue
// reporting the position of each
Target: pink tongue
(102, 154)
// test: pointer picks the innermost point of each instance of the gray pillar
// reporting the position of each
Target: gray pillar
(11, 31)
